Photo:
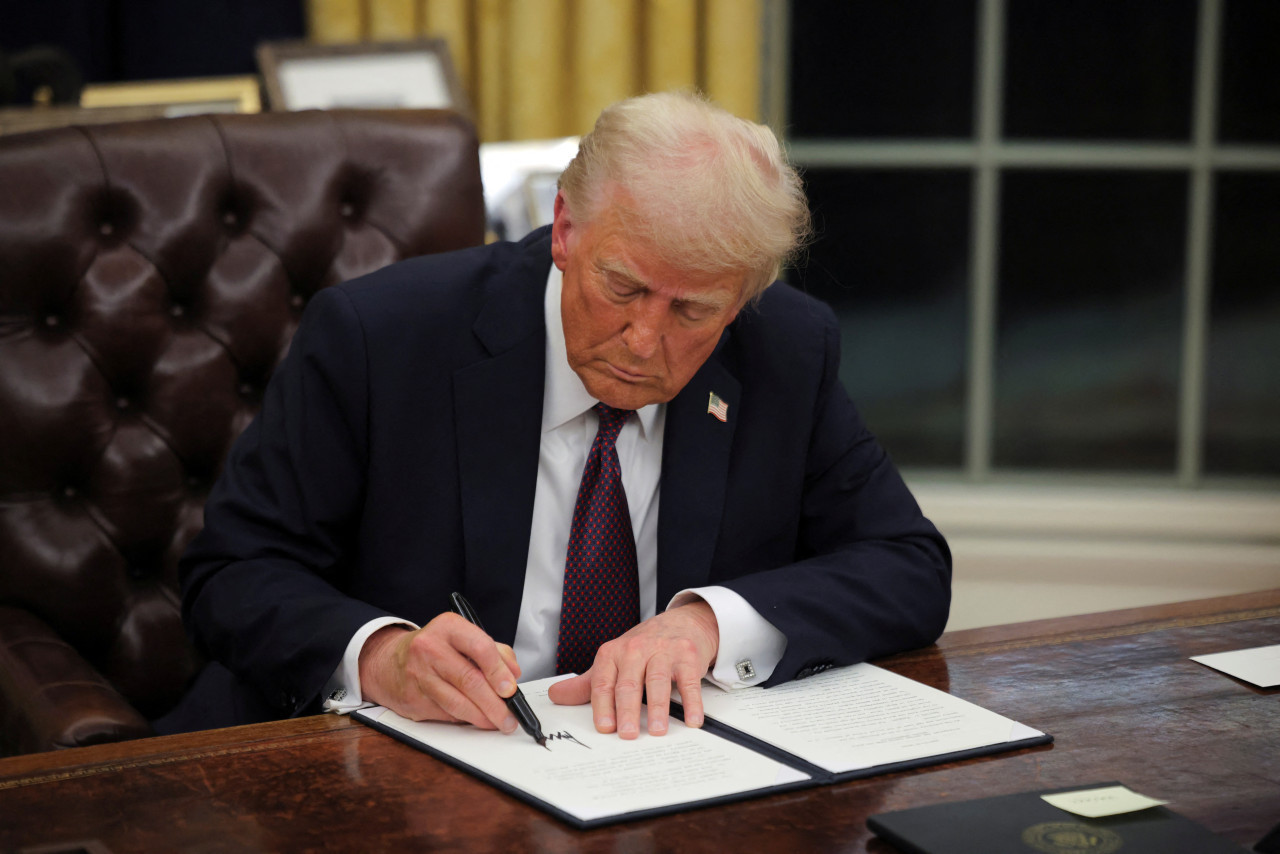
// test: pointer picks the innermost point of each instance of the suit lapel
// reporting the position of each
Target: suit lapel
(695, 465)
(498, 412)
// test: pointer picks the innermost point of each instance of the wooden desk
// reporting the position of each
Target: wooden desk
(1116, 689)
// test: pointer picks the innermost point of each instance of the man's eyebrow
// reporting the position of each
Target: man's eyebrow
(622, 271)
(711, 302)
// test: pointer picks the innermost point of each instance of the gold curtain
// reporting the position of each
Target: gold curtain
(536, 69)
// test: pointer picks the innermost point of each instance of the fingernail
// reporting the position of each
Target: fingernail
(630, 729)
(509, 725)
(506, 689)
(693, 720)
(658, 727)
(606, 724)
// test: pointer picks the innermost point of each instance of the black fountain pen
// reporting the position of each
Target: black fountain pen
(516, 703)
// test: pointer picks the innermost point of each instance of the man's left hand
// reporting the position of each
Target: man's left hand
(677, 646)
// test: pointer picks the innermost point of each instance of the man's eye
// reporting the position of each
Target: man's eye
(695, 313)
(621, 289)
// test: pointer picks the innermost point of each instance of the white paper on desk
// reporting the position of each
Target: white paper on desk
(859, 717)
(1105, 801)
(602, 775)
(1259, 665)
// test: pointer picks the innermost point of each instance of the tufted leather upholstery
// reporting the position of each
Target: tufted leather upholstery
(151, 276)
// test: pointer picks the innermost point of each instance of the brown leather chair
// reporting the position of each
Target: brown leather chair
(151, 275)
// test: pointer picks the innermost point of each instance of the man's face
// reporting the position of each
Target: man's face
(636, 328)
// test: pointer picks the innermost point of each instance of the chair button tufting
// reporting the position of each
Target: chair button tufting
(177, 310)
(106, 229)
(69, 492)
(296, 300)
(347, 210)
(122, 403)
(230, 220)
(52, 321)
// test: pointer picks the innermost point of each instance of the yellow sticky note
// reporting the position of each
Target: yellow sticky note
(1096, 803)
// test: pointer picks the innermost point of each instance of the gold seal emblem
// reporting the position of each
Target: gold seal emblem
(1068, 837)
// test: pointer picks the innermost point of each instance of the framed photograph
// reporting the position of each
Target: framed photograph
(540, 190)
(24, 119)
(519, 180)
(179, 97)
(413, 74)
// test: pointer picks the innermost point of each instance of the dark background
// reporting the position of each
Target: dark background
(1091, 262)
(116, 40)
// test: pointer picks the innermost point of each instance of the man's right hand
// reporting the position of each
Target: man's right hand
(448, 670)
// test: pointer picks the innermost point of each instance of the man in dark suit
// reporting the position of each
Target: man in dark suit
(430, 427)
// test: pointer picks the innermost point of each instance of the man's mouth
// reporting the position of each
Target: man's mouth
(625, 375)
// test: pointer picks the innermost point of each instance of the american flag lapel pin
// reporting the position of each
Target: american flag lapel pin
(717, 407)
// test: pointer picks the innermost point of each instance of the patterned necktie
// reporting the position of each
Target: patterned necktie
(601, 585)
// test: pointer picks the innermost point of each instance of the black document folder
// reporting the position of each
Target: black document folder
(1026, 824)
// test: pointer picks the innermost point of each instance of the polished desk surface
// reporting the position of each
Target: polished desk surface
(1115, 689)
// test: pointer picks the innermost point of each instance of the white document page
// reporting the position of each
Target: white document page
(1259, 665)
(591, 775)
(1097, 803)
(859, 717)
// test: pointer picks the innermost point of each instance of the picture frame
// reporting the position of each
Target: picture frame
(539, 189)
(415, 74)
(28, 119)
(520, 180)
(194, 96)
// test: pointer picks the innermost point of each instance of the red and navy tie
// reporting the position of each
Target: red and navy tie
(601, 586)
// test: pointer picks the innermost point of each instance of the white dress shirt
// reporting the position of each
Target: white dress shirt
(750, 646)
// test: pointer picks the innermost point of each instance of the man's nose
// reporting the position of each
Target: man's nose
(643, 332)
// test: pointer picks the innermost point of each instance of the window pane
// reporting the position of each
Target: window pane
(1090, 307)
(903, 68)
(1250, 102)
(892, 260)
(1242, 414)
(1099, 68)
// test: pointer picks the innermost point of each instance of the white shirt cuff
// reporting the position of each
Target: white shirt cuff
(342, 691)
(750, 645)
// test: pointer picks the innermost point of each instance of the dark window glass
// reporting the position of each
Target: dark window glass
(1090, 307)
(1242, 405)
(1249, 109)
(1099, 68)
(892, 259)
(903, 68)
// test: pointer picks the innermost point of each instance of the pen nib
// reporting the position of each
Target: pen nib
(542, 740)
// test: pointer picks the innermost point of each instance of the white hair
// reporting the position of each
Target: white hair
(711, 191)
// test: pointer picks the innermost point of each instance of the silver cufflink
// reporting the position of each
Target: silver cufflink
(745, 671)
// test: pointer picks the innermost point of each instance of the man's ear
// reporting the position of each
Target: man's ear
(561, 230)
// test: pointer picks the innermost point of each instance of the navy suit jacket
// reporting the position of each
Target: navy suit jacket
(395, 460)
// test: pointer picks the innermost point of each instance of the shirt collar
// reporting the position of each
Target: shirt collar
(564, 397)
